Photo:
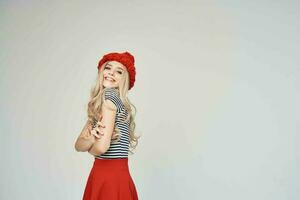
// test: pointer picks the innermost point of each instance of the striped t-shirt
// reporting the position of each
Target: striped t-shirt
(117, 149)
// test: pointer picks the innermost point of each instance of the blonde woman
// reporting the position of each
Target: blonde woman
(109, 134)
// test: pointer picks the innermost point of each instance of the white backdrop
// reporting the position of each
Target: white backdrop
(217, 93)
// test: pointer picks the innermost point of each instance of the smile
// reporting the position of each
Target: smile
(109, 79)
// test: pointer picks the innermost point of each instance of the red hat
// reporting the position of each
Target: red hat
(126, 59)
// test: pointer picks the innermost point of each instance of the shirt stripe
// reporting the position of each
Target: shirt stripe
(117, 149)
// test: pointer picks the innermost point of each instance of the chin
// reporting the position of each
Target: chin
(110, 86)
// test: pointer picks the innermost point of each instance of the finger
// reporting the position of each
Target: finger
(99, 123)
(114, 135)
(96, 135)
(99, 131)
(86, 137)
(94, 132)
(86, 134)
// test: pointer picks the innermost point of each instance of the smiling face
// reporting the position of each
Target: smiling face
(113, 74)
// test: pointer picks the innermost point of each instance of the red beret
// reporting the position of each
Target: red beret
(126, 59)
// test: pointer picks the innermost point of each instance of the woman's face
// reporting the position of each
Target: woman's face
(113, 73)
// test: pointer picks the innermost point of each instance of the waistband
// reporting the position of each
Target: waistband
(116, 163)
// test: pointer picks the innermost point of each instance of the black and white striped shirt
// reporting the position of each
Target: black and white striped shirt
(117, 149)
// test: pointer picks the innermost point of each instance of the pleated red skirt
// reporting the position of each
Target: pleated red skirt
(110, 179)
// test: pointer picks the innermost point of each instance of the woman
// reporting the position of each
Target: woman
(109, 131)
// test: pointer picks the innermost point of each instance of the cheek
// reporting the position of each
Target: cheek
(119, 78)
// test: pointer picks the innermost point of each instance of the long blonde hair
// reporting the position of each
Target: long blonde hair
(97, 98)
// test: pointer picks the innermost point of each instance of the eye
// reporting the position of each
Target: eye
(119, 72)
(106, 67)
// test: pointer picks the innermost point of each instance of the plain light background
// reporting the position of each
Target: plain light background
(217, 96)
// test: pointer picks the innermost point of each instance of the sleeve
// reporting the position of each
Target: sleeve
(111, 94)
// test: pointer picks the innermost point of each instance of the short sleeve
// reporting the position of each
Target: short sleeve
(112, 95)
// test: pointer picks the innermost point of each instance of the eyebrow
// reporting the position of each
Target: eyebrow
(117, 67)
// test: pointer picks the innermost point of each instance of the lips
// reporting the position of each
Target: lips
(109, 79)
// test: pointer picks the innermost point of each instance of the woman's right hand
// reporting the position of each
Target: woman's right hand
(89, 136)
(98, 133)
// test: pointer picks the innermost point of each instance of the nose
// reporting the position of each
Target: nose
(110, 73)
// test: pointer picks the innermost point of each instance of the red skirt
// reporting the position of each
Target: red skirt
(110, 179)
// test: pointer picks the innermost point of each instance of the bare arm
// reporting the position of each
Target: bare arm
(98, 134)
(109, 111)
(85, 139)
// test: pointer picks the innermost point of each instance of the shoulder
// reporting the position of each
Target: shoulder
(111, 91)
(111, 97)
(111, 94)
